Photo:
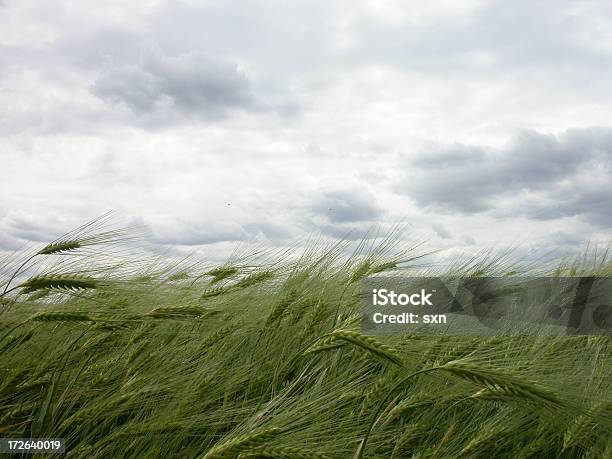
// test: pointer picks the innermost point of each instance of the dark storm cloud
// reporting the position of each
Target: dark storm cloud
(548, 170)
(346, 206)
(190, 83)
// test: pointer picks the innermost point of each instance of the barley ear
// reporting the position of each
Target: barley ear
(60, 247)
(500, 381)
(234, 446)
(221, 273)
(369, 344)
(254, 279)
(179, 312)
(283, 453)
(325, 344)
(67, 282)
(361, 271)
(61, 317)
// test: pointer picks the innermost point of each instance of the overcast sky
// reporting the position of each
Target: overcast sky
(213, 122)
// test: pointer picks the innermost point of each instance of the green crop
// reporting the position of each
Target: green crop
(265, 357)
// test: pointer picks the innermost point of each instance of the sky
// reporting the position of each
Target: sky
(214, 123)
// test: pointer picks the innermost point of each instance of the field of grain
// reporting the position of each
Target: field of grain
(264, 357)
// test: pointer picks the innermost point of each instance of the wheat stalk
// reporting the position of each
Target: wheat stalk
(253, 279)
(179, 312)
(374, 391)
(383, 267)
(213, 292)
(61, 247)
(221, 273)
(283, 453)
(475, 373)
(61, 317)
(324, 344)
(134, 354)
(246, 442)
(16, 340)
(248, 281)
(218, 335)
(412, 432)
(299, 309)
(280, 309)
(18, 413)
(480, 445)
(369, 344)
(111, 327)
(70, 282)
(361, 271)
(586, 424)
(408, 405)
(178, 276)
(318, 316)
(500, 381)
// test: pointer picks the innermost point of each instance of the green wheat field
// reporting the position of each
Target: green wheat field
(263, 356)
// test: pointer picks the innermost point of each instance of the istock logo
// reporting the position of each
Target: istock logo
(383, 297)
(487, 306)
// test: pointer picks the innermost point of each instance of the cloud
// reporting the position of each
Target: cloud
(208, 86)
(483, 34)
(355, 231)
(190, 84)
(564, 239)
(9, 243)
(536, 175)
(271, 231)
(587, 195)
(346, 206)
(441, 231)
(171, 231)
(468, 240)
(35, 228)
(349, 213)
